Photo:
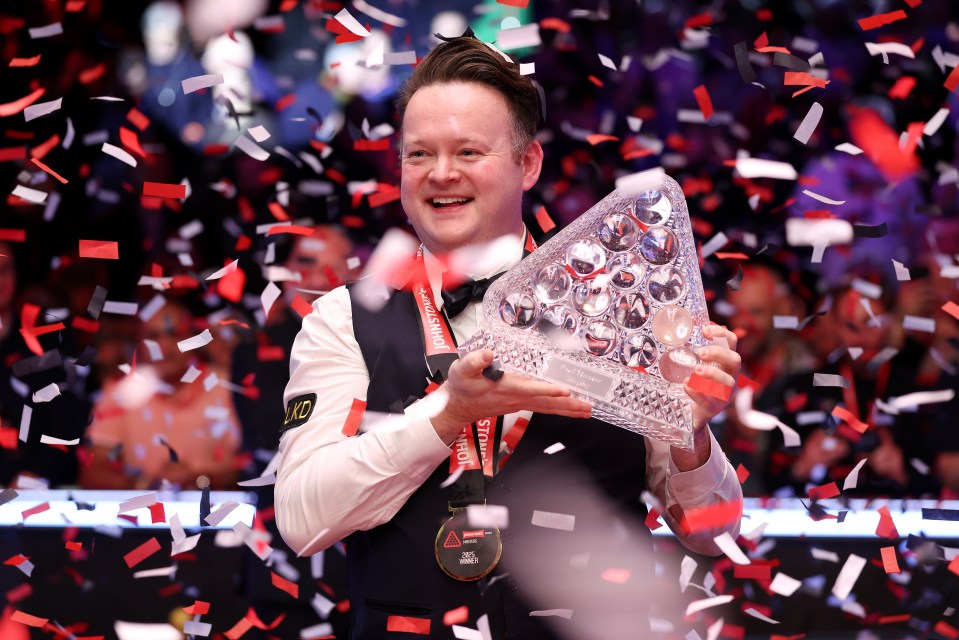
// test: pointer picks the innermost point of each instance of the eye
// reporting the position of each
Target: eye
(416, 154)
(469, 152)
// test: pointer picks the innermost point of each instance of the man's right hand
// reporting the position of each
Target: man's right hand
(471, 396)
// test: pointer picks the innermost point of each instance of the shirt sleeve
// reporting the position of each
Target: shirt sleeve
(329, 485)
(714, 483)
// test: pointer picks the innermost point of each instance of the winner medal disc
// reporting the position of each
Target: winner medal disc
(467, 553)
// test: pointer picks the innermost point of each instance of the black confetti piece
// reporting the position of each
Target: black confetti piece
(948, 515)
(742, 62)
(790, 61)
(870, 230)
(96, 302)
(735, 283)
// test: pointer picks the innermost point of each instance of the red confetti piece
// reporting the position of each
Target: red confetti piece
(157, 513)
(952, 309)
(285, 102)
(75, 6)
(407, 624)
(704, 101)
(881, 144)
(943, 628)
(104, 249)
(73, 546)
(903, 87)
(555, 23)
(383, 144)
(914, 3)
(762, 41)
(752, 571)
(595, 80)
(383, 196)
(199, 607)
(44, 148)
(130, 140)
(881, 19)
(889, 560)
(459, 615)
(824, 492)
(544, 221)
(25, 62)
(711, 388)
(137, 119)
(15, 561)
(48, 170)
(701, 20)
(522, 4)
(283, 584)
(595, 138)
(952, 81)
(355, 417)
(742, 473)
(301, 306)
(12, 108)
(849, 418)
(652, 520)
(743, 382)
(164, 190)
(731, 255)
(13, 235)
(714, 516)
(9, 154)
(616, 575)
(291, 229)
(92, 74)
(32, 511)
(141, 553)
(27, 619)
(886, 527)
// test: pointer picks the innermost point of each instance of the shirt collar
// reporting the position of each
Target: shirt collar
(511, 249)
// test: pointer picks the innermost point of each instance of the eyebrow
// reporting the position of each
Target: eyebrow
(460, 140)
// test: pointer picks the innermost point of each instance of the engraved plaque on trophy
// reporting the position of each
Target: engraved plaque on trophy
(612, 308)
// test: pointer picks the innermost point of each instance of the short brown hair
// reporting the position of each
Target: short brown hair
(467, 59)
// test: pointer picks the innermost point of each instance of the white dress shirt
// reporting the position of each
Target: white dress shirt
(329, 485)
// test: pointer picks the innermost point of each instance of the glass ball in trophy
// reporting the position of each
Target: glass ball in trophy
(551, 284)
(631, 311)
(519, 310)
(626, 270)
(599, 338)
(652, 207)
(659, 245)
(585, 258)
(638, 351)
(672, 325)
(559, 323)
(678, 364)
(618, 231)
(592, 297)
(666, 284)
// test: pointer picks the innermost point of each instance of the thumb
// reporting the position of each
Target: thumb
(473, 363)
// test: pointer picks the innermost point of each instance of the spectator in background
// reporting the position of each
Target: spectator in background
(28, 375)
(157, 423)
(770, 356)
(320, 263)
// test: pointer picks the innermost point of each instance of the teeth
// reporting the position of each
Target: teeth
(449, 200)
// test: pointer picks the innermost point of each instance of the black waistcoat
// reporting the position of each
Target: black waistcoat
(598, 478)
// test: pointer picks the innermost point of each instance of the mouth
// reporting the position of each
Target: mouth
(449, 202)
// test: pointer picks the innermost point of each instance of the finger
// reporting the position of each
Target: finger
(570, 407)
(715, 374)
(728, 360)
(472, 364)
(721, 336)
(520, 385)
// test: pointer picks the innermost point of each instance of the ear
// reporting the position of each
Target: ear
(532, 163)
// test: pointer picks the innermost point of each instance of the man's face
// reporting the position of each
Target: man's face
(460, 182)
(756, 303)
(321, 262)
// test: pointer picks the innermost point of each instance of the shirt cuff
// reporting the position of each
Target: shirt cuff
(697, 486)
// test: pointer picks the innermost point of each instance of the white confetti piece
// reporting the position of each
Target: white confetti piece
(829, 380)
(902, 273)
(47, 393)
(221, 512)
(150, 309)
(714, 244)
(162, 572)
(606, 62)
(848, 576)
(728, 546)
(196, 628)
(918, 323)
(119, 154)
(487, 515)
(809, 123)
(555, 613)
(201, 82)
(191, 374)
(866, 288)
(848, 147)
(550, 520)
(262, 481)
(30, 195)
(346, 19)
(25, 416)
(396, 58)
(686, 571)
(251, 149)
(757, 168)
(197, 341)
(45, 439)
(519, 37)
(933, 124)
(784, 585)
(139, 502)
(852, 479)
(35, 111)
(322, 605)
(754, 613)
(270, 293)
(913, 400)
(259, 133)
(379, 14)
(321, 630)
(228, 269)
(707, 603)
(822, 554)
(527, 68)
(120, 308)
(554, 448)
(46, 31)
(884, 49)
(153, 348)
(822, 198)
(785, 322)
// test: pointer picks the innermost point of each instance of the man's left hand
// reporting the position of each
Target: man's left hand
(722, 353)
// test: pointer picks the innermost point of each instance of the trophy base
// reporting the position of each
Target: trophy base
(633, 400)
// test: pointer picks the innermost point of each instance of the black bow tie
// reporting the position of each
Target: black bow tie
(455, 299)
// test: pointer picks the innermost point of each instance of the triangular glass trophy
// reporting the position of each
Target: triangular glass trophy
(612, 307)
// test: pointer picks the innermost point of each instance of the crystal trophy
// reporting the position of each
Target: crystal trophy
(611, 308)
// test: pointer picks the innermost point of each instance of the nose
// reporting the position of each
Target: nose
(444, 170)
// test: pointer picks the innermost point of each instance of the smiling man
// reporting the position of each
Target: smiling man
(575, 543)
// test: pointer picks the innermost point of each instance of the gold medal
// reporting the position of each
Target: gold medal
(467, 553)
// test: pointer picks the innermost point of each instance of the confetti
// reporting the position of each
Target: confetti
(196, 83)
(829, 380)
(201, 339)
(706, 603)
(39, 109)
(550, 520)
(346, 19)
(704, 101)
(141, 553)
(353, 420)
(848, 576)
(102, 249)
(917, 323)
(46, 31)
(709, 387)
(852, 478)
(251, 149)
(11, 108)
(729, 547)
(519, 37)
(119, 154)
(784, 585)
(161, 190)
(809, 123)
(757, 168)
(30, 195)
(408, 624)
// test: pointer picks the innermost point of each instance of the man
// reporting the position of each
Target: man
(468, 154)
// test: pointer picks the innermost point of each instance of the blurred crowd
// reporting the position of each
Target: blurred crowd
(854, 347)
